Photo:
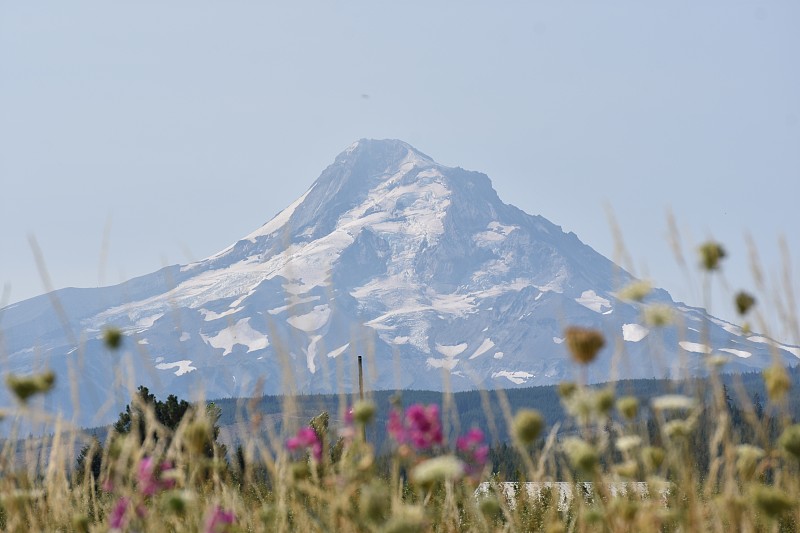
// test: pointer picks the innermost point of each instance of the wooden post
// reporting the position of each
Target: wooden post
(360, 379)
(361, 395)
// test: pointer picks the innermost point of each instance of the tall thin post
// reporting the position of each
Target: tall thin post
(361, 395)
(360, 379)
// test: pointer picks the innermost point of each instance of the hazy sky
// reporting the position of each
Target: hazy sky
(183, 126)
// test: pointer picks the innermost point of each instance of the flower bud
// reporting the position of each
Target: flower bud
(363, 412)
(112, 337)
(527, 425)
(628, 406)
(777, 382)
(584, 343)
(711, 254)
(790, 440)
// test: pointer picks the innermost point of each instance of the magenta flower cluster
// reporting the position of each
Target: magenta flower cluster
(306, 439)
(218, 520)
(149, 478)
(473, 450)
(420, 426)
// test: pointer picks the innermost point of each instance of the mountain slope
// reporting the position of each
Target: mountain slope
(417, 266)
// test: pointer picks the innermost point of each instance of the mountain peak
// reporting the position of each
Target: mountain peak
(382, 149)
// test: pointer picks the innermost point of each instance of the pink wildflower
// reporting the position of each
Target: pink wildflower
(149, 482)
(473, 450)
(218, 520)
(306, 438)
(420, 427)
(117, 518)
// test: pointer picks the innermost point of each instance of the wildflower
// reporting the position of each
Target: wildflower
(527, 425)
(374, 502)
(748, 457)
(24, 387)
(672, 402)
(628, 469)
(566, 389)
(580, 453)
(80, 523)
(117, 518)
(744, 302)
(218, 520)
(790, 440)
(420, 427)
(628, 442)
(474, 451)
(308, 439)
(653, 456)
(149, 482)
(490, 507)
(678, 428)
(628, 406)
(112, 337)
(604, 400)
(711, 253)
(777, 381)
(658, 315)
(442, 468)
(584, 343)
(635, 291)
(407, 519)
(363, 412)
(198, 435)
(772, 501)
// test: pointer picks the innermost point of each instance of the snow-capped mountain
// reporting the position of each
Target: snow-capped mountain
(418, 267)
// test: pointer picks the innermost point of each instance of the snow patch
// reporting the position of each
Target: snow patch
(311, 353)
(485, 346)
(764, 340)
(449, 364)
(311, 321)
(498, 355)
(634, 332)
(558, 340)
(183, 367)
(240, 333)
(590, 300)
(338, 351)
(695, 347)
(451, 351)
(185, 337)
(211, 315)
(738, 353)
(148, 321)
(519, 377)
(293, 301)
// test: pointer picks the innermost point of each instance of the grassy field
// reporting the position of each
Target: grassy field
(706, 455)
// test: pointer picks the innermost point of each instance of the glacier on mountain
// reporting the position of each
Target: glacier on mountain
(418, 267)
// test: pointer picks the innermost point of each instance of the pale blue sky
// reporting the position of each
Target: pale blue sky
(189, 124)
